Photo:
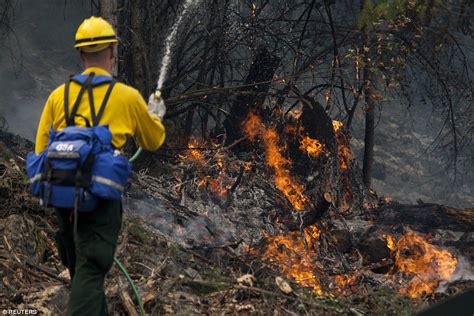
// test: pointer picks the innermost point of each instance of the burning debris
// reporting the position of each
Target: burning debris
(293, 253)
(274, 158)
(343, 146)
(297, 254)
(424, 264)
(311, 145)
(223, 212)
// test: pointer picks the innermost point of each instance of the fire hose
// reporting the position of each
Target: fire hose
(117, 261)
(122, 267)
(130, 281)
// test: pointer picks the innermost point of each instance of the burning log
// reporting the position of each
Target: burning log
(318, 124)
(373, 247)
(308, 218)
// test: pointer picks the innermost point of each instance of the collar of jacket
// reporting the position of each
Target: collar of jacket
(97, 71)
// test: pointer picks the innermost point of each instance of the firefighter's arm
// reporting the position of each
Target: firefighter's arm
(46, 120)
(149, 132)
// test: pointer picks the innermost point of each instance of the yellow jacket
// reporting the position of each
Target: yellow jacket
(126, 113)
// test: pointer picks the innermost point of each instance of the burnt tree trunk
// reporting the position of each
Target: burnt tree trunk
(370, 94)
(256, 87)
(137, 45)
(369, 137)
(108, 10)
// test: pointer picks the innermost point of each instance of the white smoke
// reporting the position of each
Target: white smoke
(464, 271)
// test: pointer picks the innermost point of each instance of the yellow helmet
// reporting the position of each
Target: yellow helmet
(94, 34)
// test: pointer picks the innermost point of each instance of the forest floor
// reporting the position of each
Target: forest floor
(174, 275)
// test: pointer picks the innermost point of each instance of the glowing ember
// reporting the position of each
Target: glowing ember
(295, 113)
(203, 181)
(193, 153)
(344, 281)
(248, 166)
(219, 160)
(337, 125)
(425, 263)
(311, 145)
(344, 153)
(343, 148)
(217, 187)
(293, 258)
(274, 158)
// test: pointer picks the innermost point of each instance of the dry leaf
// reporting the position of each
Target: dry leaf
(65, 274)
(283, 285)
(246, 279)
(149, 296)
(245, 307)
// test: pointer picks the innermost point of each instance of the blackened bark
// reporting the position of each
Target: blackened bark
(257, 84)
(317, 124)
(108, 10)
(369, 92)
(137, 45)
(369, 129)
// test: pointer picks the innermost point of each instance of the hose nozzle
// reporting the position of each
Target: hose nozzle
(157, 95)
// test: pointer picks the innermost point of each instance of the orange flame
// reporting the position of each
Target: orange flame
(293, 258)
(344, 281)
(425, 263)
(193, 153)
(337, 125)
(311, 145)
(343, 147)
(274, 158)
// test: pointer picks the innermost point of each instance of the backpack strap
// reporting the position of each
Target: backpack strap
(104, 102)
(66, 102)
(96, 118)
(70, 118)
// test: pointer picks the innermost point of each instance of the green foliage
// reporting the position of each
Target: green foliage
(389, 10)
(382, 10)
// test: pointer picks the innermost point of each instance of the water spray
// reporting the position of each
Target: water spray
(165, 62)
(169, 43)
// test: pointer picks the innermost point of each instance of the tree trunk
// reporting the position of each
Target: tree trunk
(257, 84)
(137, 45)
(369, 127)
(369, 92)
(108, 11)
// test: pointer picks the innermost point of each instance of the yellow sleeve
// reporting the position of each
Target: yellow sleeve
(149, 132)
(46, 120)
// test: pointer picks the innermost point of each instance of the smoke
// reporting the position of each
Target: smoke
(464, 271)
(190, 230)
(37, 56)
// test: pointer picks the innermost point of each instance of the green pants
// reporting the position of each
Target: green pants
(91, 256)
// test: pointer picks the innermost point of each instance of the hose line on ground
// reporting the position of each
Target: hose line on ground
(130, 281)
(121, 266)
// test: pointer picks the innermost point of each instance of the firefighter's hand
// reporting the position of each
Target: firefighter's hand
(156, 105)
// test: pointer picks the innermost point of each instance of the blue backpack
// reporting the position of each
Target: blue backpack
(79, 166)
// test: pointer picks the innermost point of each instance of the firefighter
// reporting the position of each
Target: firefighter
(89, 256)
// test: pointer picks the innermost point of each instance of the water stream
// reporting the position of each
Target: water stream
(171, 41)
